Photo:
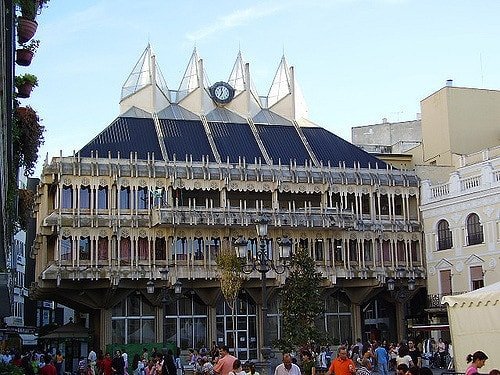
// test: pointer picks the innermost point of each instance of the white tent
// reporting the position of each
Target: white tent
(475, 325)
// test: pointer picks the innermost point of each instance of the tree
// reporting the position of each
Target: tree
(230, 268)
(301, 303)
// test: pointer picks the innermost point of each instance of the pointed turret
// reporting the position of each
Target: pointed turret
(285, 96)
(145, 87)
(246, 99)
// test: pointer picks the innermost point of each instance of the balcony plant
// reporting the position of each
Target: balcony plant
(25, 52)
(26, 200)
(30, 8)
(24, 84)
(26, 24)
(27, 137)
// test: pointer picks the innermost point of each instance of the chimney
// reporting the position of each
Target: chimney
(384, 120)
(449, 83)
(419, 116)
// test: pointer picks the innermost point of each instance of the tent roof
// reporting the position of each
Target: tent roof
(483, 296)
(69, 330)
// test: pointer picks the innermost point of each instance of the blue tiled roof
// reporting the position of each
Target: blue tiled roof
(283, 142)
(329, 147)
(125, 135)
(235, 141)
(186, 137)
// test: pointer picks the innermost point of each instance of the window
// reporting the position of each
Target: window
(401, 252)
(181, 249)
(142, 198)
(445, 279)
(445, 239)
(84, 197)
(474, 230)
(337, 251)
(67, 197)
(337, 318)
(476, 277)
(102, 248)
(188, 316)
(133, 321)
(102, 198)
(84, 248)
(353, 250)
(368, 250)
(318, 250)
(124, 198)
(160, 248)
(125, 250)
(66, 246)
(143, 248)
(198, 248)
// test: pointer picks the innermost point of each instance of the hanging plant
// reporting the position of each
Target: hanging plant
(25, 84)
(229, 267)
(26, 199)
(27, 137)
(30, 8)
(25, 52)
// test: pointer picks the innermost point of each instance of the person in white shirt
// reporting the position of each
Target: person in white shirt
(92, 360)
(287, 367)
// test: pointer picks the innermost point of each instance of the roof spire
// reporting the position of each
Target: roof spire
(142, 75)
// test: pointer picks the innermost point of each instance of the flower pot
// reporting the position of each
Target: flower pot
(23, 57)
(26, 29)
(24, 90)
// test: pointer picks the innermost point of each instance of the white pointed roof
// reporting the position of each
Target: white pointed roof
(142, 75)
(237, 77)
(190, 80)
(281, 86)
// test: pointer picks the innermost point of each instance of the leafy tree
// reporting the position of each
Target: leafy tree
(301, 303)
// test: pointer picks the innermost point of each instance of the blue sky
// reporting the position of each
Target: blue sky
(357, 61)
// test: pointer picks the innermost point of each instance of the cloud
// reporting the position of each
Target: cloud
(232, 20)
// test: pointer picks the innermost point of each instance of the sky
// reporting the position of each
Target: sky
(356, 61)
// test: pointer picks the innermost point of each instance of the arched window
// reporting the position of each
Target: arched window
(445, 239)
(474, 230)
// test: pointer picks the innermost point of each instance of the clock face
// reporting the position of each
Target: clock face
(222, 92)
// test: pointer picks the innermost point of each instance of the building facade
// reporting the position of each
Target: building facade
(181, 174)
(457, 160)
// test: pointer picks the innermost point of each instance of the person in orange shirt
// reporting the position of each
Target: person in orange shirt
(342, 365)
(225, 363)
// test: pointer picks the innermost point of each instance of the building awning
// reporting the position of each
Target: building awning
(431, 327)
(28, 339)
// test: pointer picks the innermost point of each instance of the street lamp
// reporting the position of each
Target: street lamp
(263, 264)
(164, 277)
(150, 287)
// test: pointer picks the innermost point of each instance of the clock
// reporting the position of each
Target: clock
(221, 92)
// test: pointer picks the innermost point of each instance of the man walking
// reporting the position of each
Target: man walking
(342, 365)
(287, 367)
(225, 363)
(382, 358)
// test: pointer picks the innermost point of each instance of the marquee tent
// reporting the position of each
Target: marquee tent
(474, 319)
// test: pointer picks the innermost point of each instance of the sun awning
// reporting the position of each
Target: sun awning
(28, 339)
(431, 327)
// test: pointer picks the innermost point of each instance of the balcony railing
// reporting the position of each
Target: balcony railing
(434, 300)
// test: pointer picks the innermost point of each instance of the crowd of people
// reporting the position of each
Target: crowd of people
(405, 358)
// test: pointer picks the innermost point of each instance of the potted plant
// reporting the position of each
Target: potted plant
(26, 24)
(27, 137)
(25, 53)
(30, 8)
(25, 84)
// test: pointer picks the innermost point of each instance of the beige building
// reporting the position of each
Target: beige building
(181, 173)
(458, 162)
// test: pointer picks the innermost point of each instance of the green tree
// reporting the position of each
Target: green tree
(301, 303)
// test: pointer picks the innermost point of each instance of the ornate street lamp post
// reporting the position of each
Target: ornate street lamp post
(263, 264)
(164, 276)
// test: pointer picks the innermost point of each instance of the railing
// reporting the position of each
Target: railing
(434, 300)
(470, 183)
(440, 190)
